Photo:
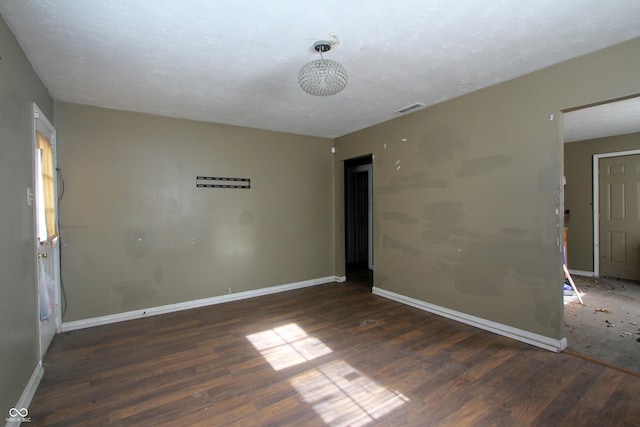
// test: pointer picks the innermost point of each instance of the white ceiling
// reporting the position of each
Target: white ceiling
(615, 118)
(236, 61)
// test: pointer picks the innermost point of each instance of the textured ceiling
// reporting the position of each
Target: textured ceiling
(236, 61)
(615, 118)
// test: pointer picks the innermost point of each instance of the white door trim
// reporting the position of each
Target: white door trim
(596, 203)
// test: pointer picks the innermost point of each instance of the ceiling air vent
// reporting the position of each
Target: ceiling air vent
(409, 108)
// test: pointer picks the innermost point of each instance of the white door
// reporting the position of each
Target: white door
(620, 217)
(47, 242)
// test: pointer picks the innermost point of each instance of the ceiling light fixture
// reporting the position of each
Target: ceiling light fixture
(322, 77)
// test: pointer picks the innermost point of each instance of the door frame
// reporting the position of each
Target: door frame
(596, 202)
(41, 121)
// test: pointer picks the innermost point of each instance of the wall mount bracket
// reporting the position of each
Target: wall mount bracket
(222, 182)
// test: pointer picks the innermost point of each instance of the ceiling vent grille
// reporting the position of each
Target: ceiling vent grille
(409, 108)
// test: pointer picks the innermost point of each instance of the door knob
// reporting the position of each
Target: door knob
(44, 255)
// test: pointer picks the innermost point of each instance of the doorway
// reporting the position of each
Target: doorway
(602, 170)
(358, 191)
(47, 248)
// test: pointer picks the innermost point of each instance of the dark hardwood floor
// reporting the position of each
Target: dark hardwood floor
(332, 354)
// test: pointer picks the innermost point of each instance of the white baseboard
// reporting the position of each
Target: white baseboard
(582, 273)
(25, 398)
(341, 279)
(488, 325)
(170, 308)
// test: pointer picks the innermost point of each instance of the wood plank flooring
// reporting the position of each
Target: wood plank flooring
(332, 354)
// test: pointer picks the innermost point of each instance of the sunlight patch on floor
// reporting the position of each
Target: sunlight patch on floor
(343, 396)
(287, 346)
(338, 392)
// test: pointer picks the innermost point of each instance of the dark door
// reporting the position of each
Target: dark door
(358, 219)
(361, 218)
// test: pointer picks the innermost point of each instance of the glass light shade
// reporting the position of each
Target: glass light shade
(322, 77)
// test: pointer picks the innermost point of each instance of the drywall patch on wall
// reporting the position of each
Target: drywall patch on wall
(413, 181)
(390, 242)
(487, 263)
(400, 217)
(440, 145)
(135, 293)
(550, 184)
(549, 177)
(544, 312)
(443, 221)
(443, 269)
(482, 165)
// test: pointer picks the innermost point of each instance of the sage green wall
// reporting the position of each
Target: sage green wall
(465, 209)
(578, 169)
(140, 234)
(19, 87)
